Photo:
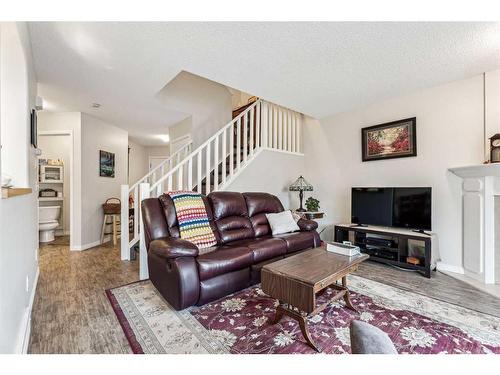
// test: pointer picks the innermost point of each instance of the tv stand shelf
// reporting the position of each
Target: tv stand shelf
(391, 246)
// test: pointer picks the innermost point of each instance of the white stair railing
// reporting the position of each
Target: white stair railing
(220, 159)
(130, 238)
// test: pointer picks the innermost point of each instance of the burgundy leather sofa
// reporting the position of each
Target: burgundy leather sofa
(187, 276)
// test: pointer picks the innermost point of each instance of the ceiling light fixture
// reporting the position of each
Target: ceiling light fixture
(96, 105)
(164, 137)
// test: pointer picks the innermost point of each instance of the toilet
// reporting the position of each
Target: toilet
(48, 222)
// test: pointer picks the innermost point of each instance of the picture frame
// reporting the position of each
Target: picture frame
(106, 164)
(395, 139)
(34, 128)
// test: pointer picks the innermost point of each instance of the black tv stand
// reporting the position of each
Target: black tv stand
(421, 231)
(358, 225)
(395, 251)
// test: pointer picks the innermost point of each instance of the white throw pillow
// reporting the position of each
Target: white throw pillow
(282, 222)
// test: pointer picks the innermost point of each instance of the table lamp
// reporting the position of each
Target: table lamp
(301, 185)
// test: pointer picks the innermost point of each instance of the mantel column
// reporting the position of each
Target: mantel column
(489, 230)
(480, 185)
(479, 228)
(473, 226)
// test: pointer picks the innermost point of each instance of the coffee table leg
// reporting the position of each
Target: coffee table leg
(305, 332)
(279, 314)
(301, 318)
(347, 296)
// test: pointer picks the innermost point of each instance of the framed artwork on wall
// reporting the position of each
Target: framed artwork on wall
(106, 164)
(34, 130)
(396, 139)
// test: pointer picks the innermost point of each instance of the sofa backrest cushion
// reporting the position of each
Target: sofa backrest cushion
(171, 216)
(230, 215)
(258, 205)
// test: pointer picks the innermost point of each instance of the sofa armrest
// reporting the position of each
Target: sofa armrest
(170, 248)
(307, 225)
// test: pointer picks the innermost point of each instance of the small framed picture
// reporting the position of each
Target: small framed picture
(106, 164)
(396, 139)
(34, 130)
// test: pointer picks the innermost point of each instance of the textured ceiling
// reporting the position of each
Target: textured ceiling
(316, 68)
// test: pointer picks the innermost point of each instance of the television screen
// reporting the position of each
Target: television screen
(412, 208)
(372, 206)
(408, 207)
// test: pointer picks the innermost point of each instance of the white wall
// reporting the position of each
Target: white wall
(138, 162)
(180, 129)
(449, 134)
(208, 103)
(492, 108)
(158, 150)
(19, 215)
(14, 103)
(98, 135)
(272, 172)
(59, 146)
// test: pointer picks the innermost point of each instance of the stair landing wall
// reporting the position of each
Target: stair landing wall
(272, 172)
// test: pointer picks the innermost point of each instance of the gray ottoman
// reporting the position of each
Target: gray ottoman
(367, 339)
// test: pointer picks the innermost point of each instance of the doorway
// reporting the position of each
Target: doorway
(154, 161)
(55, 190)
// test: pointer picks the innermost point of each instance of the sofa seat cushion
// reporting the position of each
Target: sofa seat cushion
(297, 241)
(263, 248)
(223, 260)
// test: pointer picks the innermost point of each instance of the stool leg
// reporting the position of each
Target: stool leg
(114, 230)
(103, 228)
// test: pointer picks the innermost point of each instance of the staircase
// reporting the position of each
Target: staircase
(130, 204)
(213, 165)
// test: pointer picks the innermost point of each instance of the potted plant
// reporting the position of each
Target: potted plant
(312, 206)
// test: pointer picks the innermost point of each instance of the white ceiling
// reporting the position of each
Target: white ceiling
(316, 68)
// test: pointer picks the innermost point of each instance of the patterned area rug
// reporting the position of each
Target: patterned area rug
(240, 323)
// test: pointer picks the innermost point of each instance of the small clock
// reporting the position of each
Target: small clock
(495, 148)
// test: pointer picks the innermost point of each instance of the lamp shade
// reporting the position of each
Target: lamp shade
(301, 185)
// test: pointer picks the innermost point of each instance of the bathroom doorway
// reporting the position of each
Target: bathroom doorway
(55, 186)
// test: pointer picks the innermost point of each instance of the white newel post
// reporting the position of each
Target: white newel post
(143, 255)
(124, 231)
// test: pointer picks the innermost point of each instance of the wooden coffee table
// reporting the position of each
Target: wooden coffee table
(298, 280)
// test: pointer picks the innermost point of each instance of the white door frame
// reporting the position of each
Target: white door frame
(71, 179)
(151, 158)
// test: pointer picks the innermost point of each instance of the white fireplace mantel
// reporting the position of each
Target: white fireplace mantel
(479, 187)
(481, 170)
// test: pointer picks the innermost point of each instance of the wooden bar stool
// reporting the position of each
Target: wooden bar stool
(112, 209)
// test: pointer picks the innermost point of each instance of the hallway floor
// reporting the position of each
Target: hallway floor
(71, 313)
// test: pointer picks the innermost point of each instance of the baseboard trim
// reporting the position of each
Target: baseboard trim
(25, 327)
(89, 245)
(450, 268)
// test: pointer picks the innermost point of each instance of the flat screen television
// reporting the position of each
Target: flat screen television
(402, 207)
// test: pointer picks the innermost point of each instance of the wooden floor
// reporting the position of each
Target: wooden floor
(439, 286)
(71, 313)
